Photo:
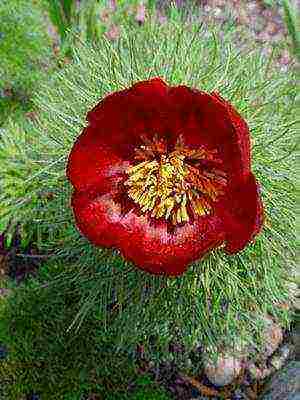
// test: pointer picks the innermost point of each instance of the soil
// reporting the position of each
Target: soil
(181, 387)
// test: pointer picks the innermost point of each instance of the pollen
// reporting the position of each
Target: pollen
(171, 185)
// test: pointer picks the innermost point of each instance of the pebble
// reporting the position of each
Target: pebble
(258, 373)
(272, 336)
(293, 288)
(224, 371)
(284, 384)
(217, 12)
(3, 352)
(296, 304)
(279, 360)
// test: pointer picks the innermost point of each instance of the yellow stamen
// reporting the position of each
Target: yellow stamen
(167, 184)
(184, 214)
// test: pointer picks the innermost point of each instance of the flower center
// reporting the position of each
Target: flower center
(174, 185)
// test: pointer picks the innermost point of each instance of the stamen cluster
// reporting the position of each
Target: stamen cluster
(169, 185)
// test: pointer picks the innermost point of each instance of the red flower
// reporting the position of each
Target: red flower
(163, 174)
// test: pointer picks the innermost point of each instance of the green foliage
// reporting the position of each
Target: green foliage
(84, 19)
(17, 165)
(218, 300)
(291, 17)
(271, 3)
(292, 23)
(145, 391)
(61, 13)
(69, 16)
(24, 48)
(46, 358)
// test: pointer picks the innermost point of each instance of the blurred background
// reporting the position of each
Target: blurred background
(35, 35)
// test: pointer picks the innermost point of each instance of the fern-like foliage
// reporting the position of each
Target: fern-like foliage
(218, 301)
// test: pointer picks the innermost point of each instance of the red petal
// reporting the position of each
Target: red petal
(242, 213)
(146, 94)
(91, 164)
(99, 154)
(150, 247)
(241, 130)
(125, 115)
(208, 120)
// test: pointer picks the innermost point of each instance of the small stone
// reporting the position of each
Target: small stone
(224, 371)
(3, 352)
(277, 363)
(279, 360)
(284, 384)
(217, 12)
(188, 363)
(285, 351)
(258, 373)
(296, 304)
(292, 286)
(272, 335)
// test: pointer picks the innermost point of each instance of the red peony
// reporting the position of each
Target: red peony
(163, 174)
